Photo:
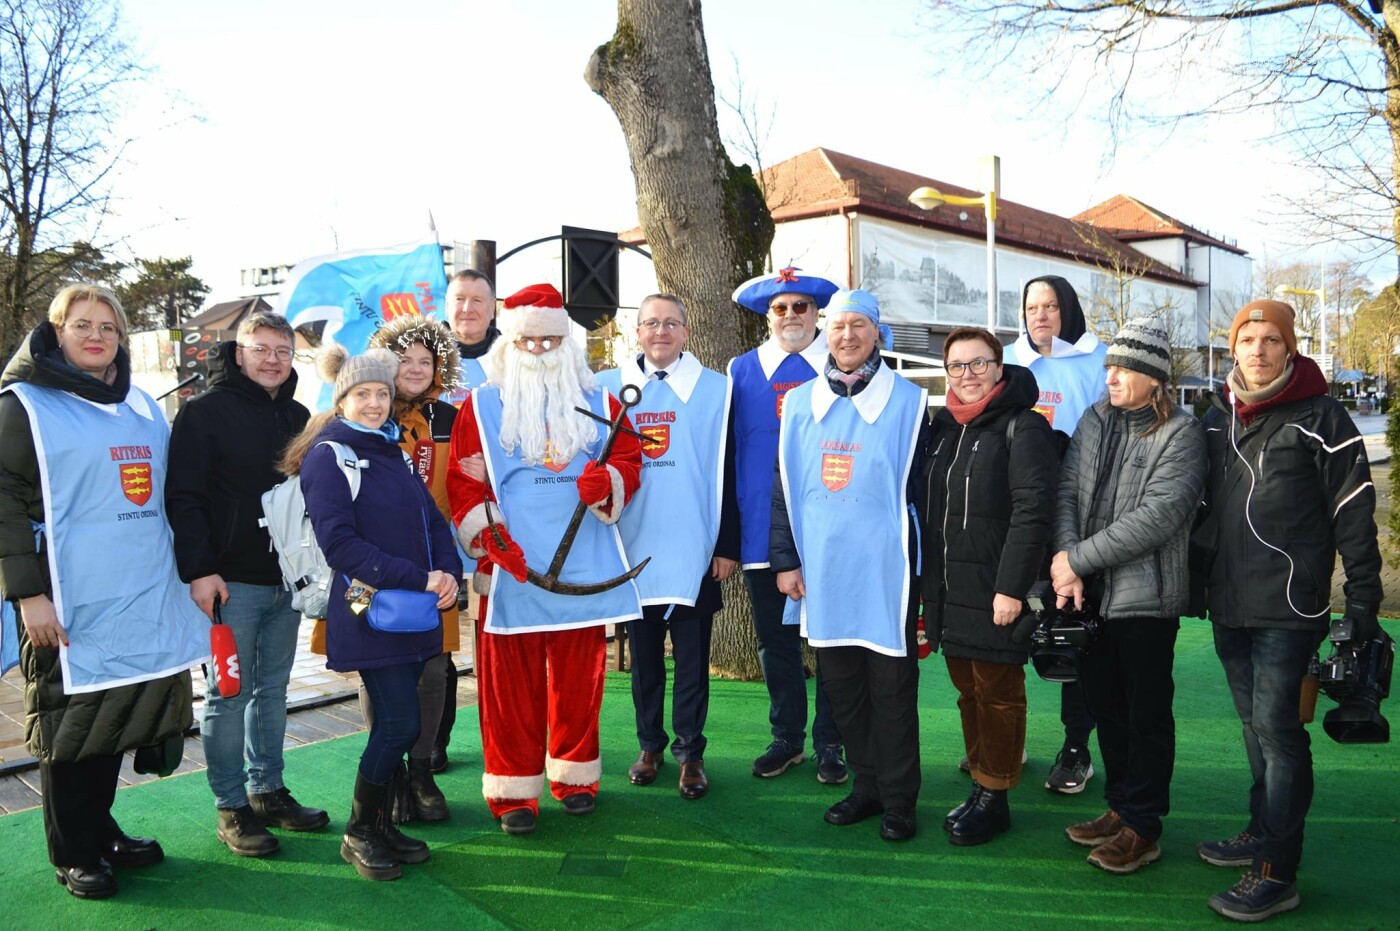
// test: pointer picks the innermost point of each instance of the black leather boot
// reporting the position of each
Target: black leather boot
(425, 799)
(953, 816)
(364, 845)
(988, 817)
(406, 849)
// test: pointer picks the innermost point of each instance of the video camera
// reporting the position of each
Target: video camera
(1059, 639)
(1357, 677)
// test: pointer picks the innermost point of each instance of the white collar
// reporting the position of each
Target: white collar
(869, 403)
(135, 399)
(1059, 349)
(682, 375)
(771, 354)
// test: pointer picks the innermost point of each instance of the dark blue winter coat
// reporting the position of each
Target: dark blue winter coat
(378, 538)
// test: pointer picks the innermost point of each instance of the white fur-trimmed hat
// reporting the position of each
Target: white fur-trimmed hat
(537, 310)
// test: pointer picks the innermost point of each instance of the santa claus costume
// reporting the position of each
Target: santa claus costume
(522, 451)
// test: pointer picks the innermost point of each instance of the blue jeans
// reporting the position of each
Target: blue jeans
(254, 723)
(780, 657)
(1264, 668)
(393, 694)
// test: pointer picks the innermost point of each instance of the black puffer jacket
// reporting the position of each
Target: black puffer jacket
(223, 450)
(989, 511)
(1300, 484)
(58, 727)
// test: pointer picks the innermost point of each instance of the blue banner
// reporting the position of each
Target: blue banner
(357, 292)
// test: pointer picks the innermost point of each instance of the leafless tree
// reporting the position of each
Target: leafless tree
(63, 67)
(1328, 71)
(704, 218)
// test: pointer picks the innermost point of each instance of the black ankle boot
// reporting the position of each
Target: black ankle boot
(988, 817)
(424, 797)
(964, 808)
(406, 849)
(364, 845)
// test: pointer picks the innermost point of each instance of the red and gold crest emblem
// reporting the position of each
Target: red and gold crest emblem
(658, 439)
(836, 471)
(136, 481)
(780, 404)
(551, 461)
(1046, 411)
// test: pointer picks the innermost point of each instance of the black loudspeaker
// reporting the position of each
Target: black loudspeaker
(590, 276)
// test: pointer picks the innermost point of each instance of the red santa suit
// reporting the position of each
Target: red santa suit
(540, 656)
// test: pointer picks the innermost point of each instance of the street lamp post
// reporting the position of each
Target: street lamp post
(927, 198)
(1321, 295)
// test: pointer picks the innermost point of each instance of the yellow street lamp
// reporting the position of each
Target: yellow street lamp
(1321, 295)
(927, 198)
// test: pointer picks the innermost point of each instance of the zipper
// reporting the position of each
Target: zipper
(967, 479)
(948, 500)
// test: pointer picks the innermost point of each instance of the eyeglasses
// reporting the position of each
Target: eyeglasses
(797, 307)
(261, 352)
(546, 343)
(668, 325)
(84, 329)
(978, 366)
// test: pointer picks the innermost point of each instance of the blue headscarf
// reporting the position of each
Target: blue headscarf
(861, 302)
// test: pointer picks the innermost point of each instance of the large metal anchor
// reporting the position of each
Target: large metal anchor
(629, 397)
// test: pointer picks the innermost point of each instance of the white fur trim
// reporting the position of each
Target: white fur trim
(473, 522)
(572, 773)
(535, 321)
(481, 583)
(524, 787)
(617, 498)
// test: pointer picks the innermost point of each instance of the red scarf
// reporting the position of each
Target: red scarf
(967, 413)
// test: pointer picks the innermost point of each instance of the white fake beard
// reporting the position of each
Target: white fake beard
(538, 395)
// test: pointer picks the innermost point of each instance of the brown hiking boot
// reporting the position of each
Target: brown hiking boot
(1099, 831)
(1126, 853)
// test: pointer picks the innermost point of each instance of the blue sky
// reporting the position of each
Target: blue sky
(274, 131)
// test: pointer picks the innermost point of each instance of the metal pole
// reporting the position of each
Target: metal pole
(481, 253)
(991, 265)
(991, 186)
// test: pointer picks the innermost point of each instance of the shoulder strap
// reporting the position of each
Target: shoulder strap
(350, 464)
(1011, 427)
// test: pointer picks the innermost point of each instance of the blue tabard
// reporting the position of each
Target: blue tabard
(537, 502)
(758, 405)
(674, 516)
(1070, 380)
(111, 553)
(844, 481)
(472, 376)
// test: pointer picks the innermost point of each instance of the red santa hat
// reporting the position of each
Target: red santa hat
(537, 310)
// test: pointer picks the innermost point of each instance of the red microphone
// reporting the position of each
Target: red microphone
(225, 650)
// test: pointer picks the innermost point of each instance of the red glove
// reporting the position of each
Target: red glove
(504, 552)
(595, 484)
(921, 637)
(225, 650)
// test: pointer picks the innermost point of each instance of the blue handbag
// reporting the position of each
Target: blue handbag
(400, 611)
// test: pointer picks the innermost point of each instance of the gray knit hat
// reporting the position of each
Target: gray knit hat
(1142, 346)
(375, 365)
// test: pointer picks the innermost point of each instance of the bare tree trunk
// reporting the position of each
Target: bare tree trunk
(704, 218)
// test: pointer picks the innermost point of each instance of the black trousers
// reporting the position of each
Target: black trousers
(874, 699)
(78, 808)
(690, 691)
(1075, 714)
(1127, 678)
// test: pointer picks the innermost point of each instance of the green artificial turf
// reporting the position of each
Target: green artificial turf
(755, 852)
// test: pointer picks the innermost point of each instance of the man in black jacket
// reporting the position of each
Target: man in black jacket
(1289, 489)
(224, 447)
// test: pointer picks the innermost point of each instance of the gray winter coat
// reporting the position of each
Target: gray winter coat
(1154, 483)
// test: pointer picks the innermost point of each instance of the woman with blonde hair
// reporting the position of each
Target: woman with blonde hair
(385, 536)
(428, 365)
(107, 634)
